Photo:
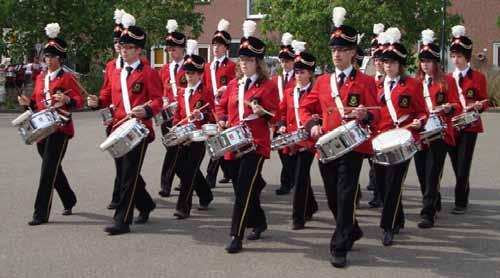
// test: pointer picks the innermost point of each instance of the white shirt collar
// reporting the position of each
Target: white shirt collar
(288, 73)
(427, 78)
(464, 72)
(54, 74)
(172, 64)
(134, 65)
(306, 87)
(347, 71)
(194, 88)
(220, 60)
(387, 80)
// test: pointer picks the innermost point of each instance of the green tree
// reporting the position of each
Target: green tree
(310, 20)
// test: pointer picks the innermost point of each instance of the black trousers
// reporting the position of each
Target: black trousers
(390, 179)
(52, 151)
(132, 186)
(304, 202)
(188, 168)
(248, 184)
(461, 159)
(169, 162)
(287, 170)
(115, 198)
(213, 169)
(340, 179)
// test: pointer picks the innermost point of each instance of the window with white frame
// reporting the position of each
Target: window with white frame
(496, 54)
(158, 56)
(252, 12)
(204, 51)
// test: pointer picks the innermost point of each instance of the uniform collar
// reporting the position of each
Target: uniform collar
(465, 72)
(194, 88)
(288, 73)
(397, 79)
(347, 71)
(221, 60)
(306, 87)
(134, 65)
(55, 73)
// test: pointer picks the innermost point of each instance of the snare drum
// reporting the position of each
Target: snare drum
(341, 140)
(433, 129)
(126, 137)
(289, 139)
(235, 139)
(210, 129)
(197, 136)
(464, 120)
(394, 146)
(178, 135)
(34, 127)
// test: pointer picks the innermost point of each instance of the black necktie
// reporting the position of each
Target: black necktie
(391, 84)
(129, 70)
(176, 68)
(341, 81)
(460, 79)
(301, 92)
(216, 65)
(190, 93)
(429, 82)
(247, 84)
(286, 78)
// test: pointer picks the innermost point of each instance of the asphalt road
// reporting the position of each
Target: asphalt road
(76, 246)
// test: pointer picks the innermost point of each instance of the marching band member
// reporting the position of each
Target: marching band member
(217, 75)
(440, 93)
(330, 96)
(190, 100)
(135, 90)
(251, 92)
(54, 88)
(284, 82)
(402, 104)
(472, 94)
(304, 203)
(173, 79)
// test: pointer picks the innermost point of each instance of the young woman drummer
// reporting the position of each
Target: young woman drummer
(251, 92)
(302, 154)
(440, 95)
(403, 105)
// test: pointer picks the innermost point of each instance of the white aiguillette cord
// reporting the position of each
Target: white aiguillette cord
(46, 89)
(213, 78)
(427, 95)
(336, 95)
(241, 98)
(124, 87)
(460, 91)
(280, 87)
(296, 95)
(390, 106)
(172, 81)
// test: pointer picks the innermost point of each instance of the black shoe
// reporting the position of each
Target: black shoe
(225, 180)
(370, 187)
(283, 190)
(255, 234)
(426, 223)
(180, 214)
(144, 216)
(355, 236)
(67, 212)
(387, 238)
(375, 203)
(117, 229)
(298, 226)
(234, 246)
(459, 210)
(338, 261)
(36, 222)
(164, 193)
(112, 205)
(398, 227)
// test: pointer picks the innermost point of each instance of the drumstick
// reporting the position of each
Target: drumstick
(263, 110)
(85, 93)
(470, 106)
(332, 108)
(130, 115)
(410, 124)
(187, 117)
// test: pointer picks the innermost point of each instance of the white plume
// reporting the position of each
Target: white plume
(172, 25)
(458, 31)
(249, 28)
(378, 28)
(286, 39)
(118, 16)
(298, 46)
(223, 25)
(383, 38)
(338, 16)
(128, 20)
(427, 36)
(191, 46)
(393, 34)
(360, 37)
(52, 30)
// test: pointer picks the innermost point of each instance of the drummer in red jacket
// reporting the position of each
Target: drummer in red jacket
(335, 96)
(440, 95)
(53, 88)
(251, 93)
(473, 96)
(402, 105)
(302, 154)
(142, 99)
(190, 100)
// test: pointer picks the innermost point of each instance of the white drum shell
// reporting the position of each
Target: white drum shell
(34, 127)
(238, 139)
(394, 146)
(126, 137)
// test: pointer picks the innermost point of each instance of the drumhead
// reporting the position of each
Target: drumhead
(332, 134)
(392, 138)
(118, 133)
(22, 118)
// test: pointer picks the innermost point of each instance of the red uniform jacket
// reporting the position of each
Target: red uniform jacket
(474, 89)
(407, 99)
(439, 95)
(357, 90)
(224, 74)
(266, 93)
(287, 118)
(64, 81)
(180, 81)
(143, 84)
(200, 97)
(289, 84)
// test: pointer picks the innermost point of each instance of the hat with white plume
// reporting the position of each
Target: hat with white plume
(394, 50)
(117, 31)
(460, 42)
(174, 38)
(55, 45)
(250, 45)
(132, 34)
(303, 59)
(192, 61)
(221, 35)
(286, 47)
(429, 50)
(342, 35)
